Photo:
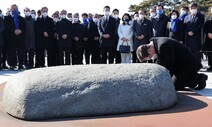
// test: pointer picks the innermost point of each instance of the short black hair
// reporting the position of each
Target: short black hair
(170, 14)
(142, 9)
(115, 10)
(185, 7)
(84, 14)
(144, 51)
(160, 5)
(106, 7)
(194, 5)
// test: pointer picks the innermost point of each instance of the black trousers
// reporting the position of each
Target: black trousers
(29, 58)
(186, 77)
(105, 53)
(40, 57)
(118, 57)
(197, 54)
(64, 52)
(87, 52)
(16, 56)
(95, 52)
(77, 57)
(4, 56)
(209, 59)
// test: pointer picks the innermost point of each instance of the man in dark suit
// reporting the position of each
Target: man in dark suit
(30, 39)
(94, 40)
(1, 40)
(117, 19)
(107, 25)
(77, 39)
(45, 29)
(159, 22)
(208, 40)
(15, 27)
(175, 57)
(63, 30)
(194, 30)
(142, 30)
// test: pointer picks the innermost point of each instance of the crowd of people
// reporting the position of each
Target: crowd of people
(65, 38)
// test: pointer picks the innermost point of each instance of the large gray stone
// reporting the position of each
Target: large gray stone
(85, 90)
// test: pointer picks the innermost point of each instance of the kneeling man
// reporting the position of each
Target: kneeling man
(181, 63)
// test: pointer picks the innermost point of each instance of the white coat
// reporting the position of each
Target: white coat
(127, 32)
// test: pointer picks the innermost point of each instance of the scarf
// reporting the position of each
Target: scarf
(173, 24)
(182, 17)
(85, 22)
(15, 15)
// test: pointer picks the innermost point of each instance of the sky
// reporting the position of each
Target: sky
(73, 6)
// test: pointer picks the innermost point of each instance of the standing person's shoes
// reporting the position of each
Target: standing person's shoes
(202, 82)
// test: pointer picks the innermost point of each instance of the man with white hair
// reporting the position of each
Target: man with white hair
(175, 57)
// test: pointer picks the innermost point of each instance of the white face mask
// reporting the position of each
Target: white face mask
(116, 16)
(76, 20)
(173, 16)
(107, 13)
(56, 19)
(95, 19)
(63, 16)
(152, 14)
(27, 13)
(136, 17)
(70, 19)
(182, 12)
(45, 14)
(141, 16)
(193, 11)
(33, 16)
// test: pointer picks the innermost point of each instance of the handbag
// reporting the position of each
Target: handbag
(124, 48)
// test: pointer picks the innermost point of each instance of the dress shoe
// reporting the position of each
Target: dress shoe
(202, 83)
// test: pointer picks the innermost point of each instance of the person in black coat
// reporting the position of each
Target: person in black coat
(208, 40)
(77, 39)
(181, 63)
(159, 22)
(15, 27)
(142, 31)
(175, 27)
(107, 25)
(194, 30)
(1, 40)
(30, 39)
(64, 32)
(115, 15)
(44, 34)
(86, 41)
(94, 40)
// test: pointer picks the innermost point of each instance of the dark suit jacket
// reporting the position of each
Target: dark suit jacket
(44, 25)
(12, 39)
(77, 31)
(109, 28)
(30, 33)
(176, 57)
(208, 29)
(196, 25)
(179, 34)
(141, 28)
(64, 26)
(1, 32)
(159, 25)
(93, 32)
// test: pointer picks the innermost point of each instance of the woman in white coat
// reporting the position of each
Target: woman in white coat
(125, 33)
